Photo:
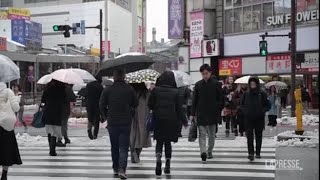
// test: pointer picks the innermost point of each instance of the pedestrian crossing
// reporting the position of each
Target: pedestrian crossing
(94, 162)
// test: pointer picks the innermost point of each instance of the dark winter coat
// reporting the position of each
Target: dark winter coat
(71, 98)
(120, 101)
(229, 104)
(92, 95)
(56, 104)
(254, 104)
(207, 102)
(165, 103)
(305, 97)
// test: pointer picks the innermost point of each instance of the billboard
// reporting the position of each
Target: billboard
(18, 13)
(196, 33)
(18, 27)
(278, 63)
(175, 19)
(230, 66)
(210, 48)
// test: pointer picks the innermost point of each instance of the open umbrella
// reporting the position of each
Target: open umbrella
(142, 76)
(245, 80)
(85, 75)
(131, 62)
(278, 84)
(67, 76)
(45, 79)
(182, 78)
(9, 71)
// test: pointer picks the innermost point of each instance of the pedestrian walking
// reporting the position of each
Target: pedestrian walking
(139, 137)
(92, 96)
(9, 151)
(55, 108)
(206, 107)
(184, 94)
(305, 97)
(71, 99)
(230, 107)
(18, 92)
(241, 89)
(254, 104)
(120, 101)
(275, 105)
(165, 103)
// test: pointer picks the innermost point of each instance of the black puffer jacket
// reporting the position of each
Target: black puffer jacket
(166, 105)
(254, 104)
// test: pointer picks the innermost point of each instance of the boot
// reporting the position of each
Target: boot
(167, 167)
(4, 175)
(158, 166)
(49, 137)
(60, 143)
(235, 132)
(251, 157)
(227, 133)
(53, 143)
(67, 140)
(90, 134)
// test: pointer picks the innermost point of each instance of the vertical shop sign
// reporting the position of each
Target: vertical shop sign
(196, 33)
(278, 63)
(3, 44)
(311, 63)
(175, 19)
(230, 66)
(140, 35)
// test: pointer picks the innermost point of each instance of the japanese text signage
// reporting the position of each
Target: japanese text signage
(230, 66)
(210, 48)
(140, 36)
(175, 19)
(278, 64)
(196, 33)
(18, 13)
(311, 63)
(3, 44)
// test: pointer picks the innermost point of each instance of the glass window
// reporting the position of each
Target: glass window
(256, 17)
(36, 1)
(228, 21)
(247, 2)
(238, 17)
(247, 18)
(228, 4)
(6, 3)
(267, 12)
(237, 3)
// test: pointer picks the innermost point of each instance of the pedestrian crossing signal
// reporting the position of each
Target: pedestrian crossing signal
(263, 45)
(64, 28)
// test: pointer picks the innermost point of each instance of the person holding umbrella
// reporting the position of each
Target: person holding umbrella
(275, 104)
(164, 101)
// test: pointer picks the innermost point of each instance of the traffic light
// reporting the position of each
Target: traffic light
(263, 45)
(64, 28)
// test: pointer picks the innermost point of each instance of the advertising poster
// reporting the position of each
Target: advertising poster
(175, 19)
(230, 66)
(196, 33)
(278, 63)
(18, 27)
(210, 48)
(18, 13)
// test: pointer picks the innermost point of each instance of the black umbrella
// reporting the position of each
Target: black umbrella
(131, 62)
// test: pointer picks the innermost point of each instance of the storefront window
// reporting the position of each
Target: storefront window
(237, 3)
(238, 17)
(247, 18)
(256, 17)
(228, 21)
(267, 12)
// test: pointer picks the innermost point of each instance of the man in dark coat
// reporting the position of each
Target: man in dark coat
(165, 103)
(206, 106)
(120, 100)
(92, 96)
(254, 104)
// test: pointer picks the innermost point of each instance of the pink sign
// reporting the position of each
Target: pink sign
(279, 64)
(196, 33)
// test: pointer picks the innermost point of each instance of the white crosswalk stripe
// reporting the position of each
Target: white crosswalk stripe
(83, 162)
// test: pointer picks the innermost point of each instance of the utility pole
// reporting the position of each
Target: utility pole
(293, 56)
(106, 38)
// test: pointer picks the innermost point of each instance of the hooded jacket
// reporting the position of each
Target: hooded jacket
(254, 104)
(6, 95)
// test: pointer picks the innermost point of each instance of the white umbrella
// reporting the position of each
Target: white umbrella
(9, 71)
(245, 80)
(67, 76)
(278, 84)
(85, 75)
(45, 79)
(182, 78)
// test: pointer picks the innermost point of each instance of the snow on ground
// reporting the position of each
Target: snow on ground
(310, 139)
(31, 107)
(306, 119)
(78, 120)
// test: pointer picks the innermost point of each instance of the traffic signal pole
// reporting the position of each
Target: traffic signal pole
(293, 56)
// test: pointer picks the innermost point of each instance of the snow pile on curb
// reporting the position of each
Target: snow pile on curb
(310, 139)
(306, 119)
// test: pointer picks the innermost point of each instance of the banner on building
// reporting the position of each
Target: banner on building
(3, 44)
(210, 48)
(196, 33)
(278, 63)
(230, 66)
(3, 14)
(311, 63)
(104, 47)
(18, 13)
(175, 19)
(140, 36)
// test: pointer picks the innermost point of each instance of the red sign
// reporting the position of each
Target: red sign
(3, 44)
(104, 47)
(230, 66)
(311, 63)
(279, 63)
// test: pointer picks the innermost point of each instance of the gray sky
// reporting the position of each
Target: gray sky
(157, 16)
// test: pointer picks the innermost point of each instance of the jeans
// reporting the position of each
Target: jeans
(203, 131)
(233, 121)
(167, 148)
(64, 128)
(120, 140)
(250, 135)
(94, 121)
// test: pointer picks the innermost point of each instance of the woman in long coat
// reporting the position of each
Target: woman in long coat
(139, 137)
(165, 103)
(55, 109)
(275, 105)
(9, 151)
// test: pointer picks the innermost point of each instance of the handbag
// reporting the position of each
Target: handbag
(7, 116)
(193, 132)
(150, 122)
(37, 120)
